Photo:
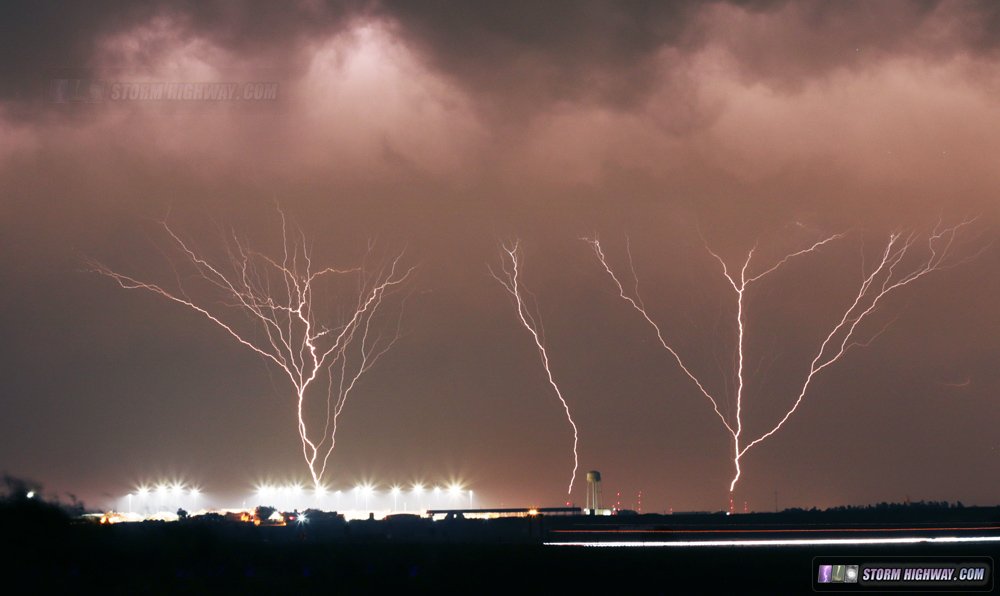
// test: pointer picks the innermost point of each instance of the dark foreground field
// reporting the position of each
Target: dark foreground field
(180, 560)
(49, 555)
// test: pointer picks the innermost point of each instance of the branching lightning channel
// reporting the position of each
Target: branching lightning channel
(277, 295)
(509, 277)
(889, 274)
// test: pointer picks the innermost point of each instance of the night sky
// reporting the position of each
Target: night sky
(444, 128)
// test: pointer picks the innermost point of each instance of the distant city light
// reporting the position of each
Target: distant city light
(31, 494)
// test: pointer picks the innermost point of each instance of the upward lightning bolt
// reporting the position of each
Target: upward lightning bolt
(886, 276)
(509, 278)
(277, 296)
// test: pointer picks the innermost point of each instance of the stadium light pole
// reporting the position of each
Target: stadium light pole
(418, 492)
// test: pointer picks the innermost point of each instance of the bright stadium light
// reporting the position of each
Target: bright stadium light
(418, 488)
(195, 492)
(143, 491)
(367, 490)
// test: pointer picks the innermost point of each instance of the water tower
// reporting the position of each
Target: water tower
(593, 491)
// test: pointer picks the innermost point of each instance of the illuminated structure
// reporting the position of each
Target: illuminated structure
(501, 513)
(593, 491)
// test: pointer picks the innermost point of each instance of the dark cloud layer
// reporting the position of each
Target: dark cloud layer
(602, 51)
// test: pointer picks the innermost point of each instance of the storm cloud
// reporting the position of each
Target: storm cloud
(443, 126)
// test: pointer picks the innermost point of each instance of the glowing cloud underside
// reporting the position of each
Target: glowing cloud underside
(269, 306)
(509, 278)
(889, 274)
